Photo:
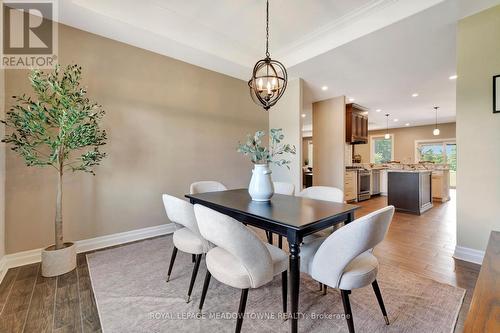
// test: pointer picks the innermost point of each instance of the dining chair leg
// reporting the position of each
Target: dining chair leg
(193, 276)
(320, 286)
(280, 241)
(325, 289)
(284, 289)
(269, 237)
(241, 310)
(347, 309)
(376, 289)
(193, 258)
(172, 259)
(205, 289)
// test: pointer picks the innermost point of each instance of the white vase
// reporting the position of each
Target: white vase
(261, 186)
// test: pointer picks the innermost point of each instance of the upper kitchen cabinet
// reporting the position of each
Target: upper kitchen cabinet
(356, 124)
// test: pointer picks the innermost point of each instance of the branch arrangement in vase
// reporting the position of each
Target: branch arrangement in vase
(58, 128)
(262, 154)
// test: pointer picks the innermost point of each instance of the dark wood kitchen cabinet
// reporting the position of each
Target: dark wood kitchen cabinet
(356, 124)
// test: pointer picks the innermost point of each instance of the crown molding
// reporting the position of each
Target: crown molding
(375, 15)
(205, 47)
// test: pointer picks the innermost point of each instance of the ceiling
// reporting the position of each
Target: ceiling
(377, 51)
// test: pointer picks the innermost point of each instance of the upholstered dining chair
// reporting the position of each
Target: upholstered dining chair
(286, 189)
(188, 238)
(325, 193)
(239, 259)
(344, 260)
(206, 186)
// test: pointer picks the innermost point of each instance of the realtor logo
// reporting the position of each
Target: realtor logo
(29, 36)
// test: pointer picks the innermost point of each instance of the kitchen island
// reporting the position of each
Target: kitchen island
(410, 191)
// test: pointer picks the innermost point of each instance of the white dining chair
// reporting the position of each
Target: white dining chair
(240, 259)
(286, 189)
(188, 238)
(344, 260)
(325, 193)
(206, 186)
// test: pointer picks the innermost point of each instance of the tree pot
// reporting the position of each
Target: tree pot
(261, 186)
(58, 262)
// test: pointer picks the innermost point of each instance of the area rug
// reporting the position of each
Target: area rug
(132, 296)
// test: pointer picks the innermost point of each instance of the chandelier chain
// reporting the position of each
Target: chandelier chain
(267, 29)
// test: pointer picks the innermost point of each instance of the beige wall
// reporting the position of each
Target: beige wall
(169, 124)
(404, 141)
(305, 149)
(286, 115)
(478, 129)
(329, 142)
(2, 170)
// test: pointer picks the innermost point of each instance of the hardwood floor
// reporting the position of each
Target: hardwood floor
(420, 244)
(424, 245)
(32, 303)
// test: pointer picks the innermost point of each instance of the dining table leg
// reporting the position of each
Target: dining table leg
(294, 274)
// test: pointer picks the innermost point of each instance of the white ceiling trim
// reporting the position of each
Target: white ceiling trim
(215, 50)
(167, 22)
(367, 19)
(81, 17)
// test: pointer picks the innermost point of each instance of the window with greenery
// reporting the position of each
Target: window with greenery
(382, 150)
(451, 155)
(432, 152)
(440, 152)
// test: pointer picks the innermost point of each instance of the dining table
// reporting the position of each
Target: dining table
(293, 217)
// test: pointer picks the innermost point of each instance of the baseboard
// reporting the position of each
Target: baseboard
(32, 256)
(96, 243)
(468, 254)
(3, 268)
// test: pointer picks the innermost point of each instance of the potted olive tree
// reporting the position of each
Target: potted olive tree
(58, 128)
(261, 185)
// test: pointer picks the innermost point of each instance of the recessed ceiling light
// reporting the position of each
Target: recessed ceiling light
(414, 95)
(453, 77)
(351, 99)
(378, 110)
(396, 119)
(324, 88)
(303, 115)
(407, 124)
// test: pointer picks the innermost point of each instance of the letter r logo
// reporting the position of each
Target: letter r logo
(27, 27)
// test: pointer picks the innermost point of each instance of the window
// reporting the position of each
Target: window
(439, 152)
(431, 152)
(382, 149)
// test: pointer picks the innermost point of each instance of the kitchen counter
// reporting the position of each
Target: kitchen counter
(409, 171)
(409, 191)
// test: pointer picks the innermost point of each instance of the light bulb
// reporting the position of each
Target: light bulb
(387, 136)
(268, 88)
(260, 83)
(436, 131)
(273, 83)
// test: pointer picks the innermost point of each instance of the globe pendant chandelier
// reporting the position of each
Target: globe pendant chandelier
(269, 77)
(387, 136)
(436, 130)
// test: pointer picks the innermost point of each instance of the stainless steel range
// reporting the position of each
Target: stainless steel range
(364, 182)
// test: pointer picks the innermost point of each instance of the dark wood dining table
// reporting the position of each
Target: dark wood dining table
(289, 216)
